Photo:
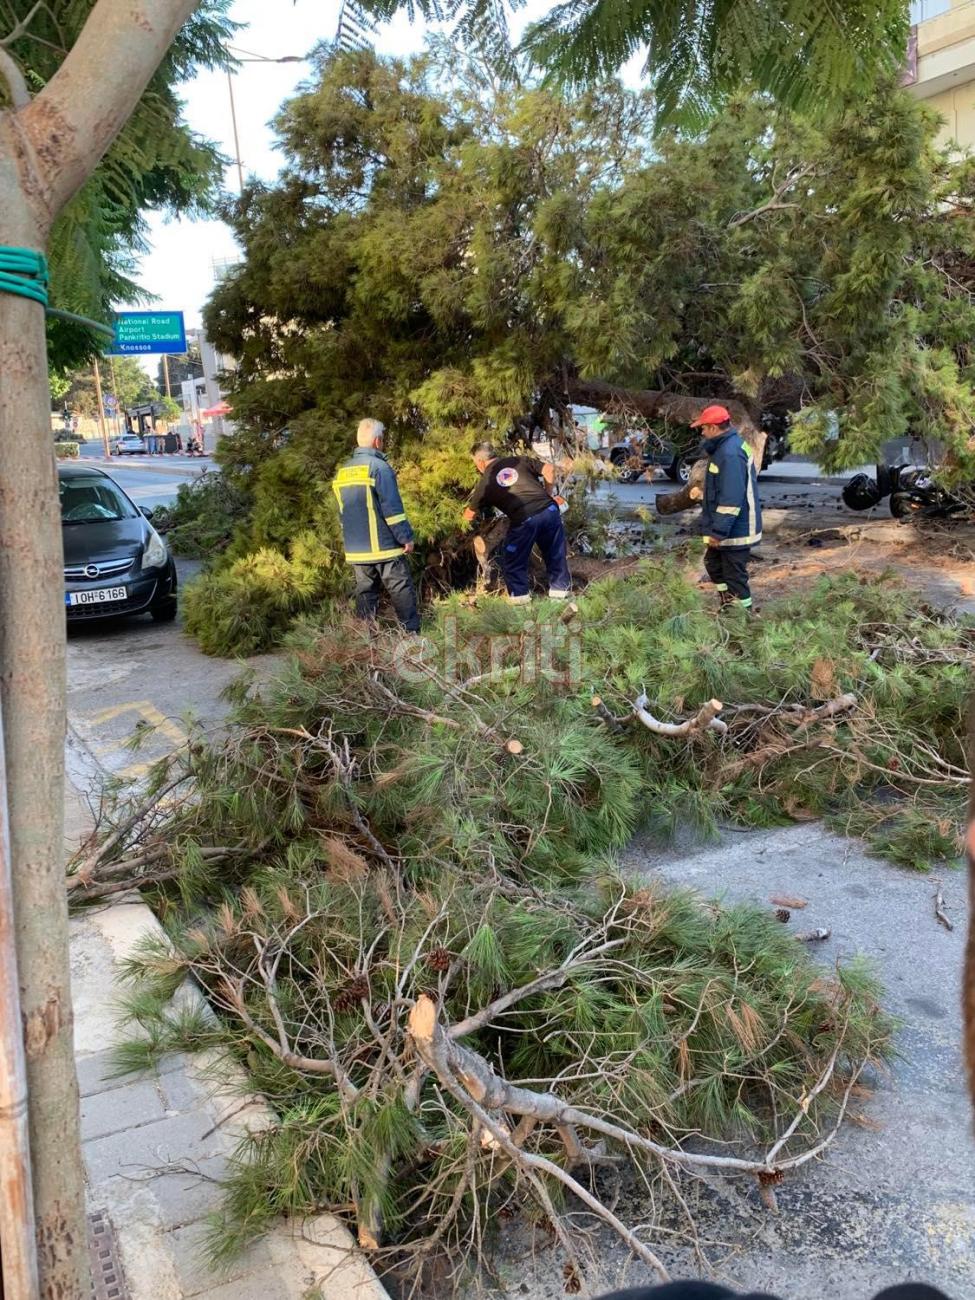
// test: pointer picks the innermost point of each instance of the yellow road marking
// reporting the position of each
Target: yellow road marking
(146, 712)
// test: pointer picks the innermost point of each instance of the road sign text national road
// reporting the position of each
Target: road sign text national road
(148, 332)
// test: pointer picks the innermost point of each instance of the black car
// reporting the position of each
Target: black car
(115, 563)
(632, 458)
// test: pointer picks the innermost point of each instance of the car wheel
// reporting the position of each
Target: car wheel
(679, 470)
(164, 612)
(628, 474)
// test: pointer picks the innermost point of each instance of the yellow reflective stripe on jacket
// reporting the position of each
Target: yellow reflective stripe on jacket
(395, 519)
(751, 540)
(371, 557)
(338, 495)
(371, 515)
(712, 468)
(354, 476)
(728, 510)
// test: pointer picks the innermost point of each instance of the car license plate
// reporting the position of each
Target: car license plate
(99, 596)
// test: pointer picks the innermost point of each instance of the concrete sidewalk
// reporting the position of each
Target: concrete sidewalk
(154, 1144)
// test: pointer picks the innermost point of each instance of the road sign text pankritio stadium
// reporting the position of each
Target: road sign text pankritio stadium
(148, 332)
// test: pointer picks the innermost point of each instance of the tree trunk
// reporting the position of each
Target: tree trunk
(687, 497)
(32, 682)
(49, 145)
(657, 405)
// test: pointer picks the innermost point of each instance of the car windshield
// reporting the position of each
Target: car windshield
(93, 501)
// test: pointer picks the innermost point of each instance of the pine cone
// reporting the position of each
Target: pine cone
(783, 914)
(573, 1282)
(349, 997)
(439, 959)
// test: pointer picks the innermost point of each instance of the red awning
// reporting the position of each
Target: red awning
(221, 408)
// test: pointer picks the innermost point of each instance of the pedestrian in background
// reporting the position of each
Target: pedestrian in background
(375, 529)
(523, 489)
(731, 514)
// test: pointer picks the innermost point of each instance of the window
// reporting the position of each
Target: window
(93, 501)
(922, 10)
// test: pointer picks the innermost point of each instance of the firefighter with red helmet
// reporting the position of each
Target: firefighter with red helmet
(731, 513)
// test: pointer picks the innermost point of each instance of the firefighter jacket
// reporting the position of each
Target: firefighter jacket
(374, 523)
(732, 512)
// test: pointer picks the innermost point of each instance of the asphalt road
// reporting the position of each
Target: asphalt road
(149, 480)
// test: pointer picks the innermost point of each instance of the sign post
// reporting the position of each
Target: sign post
(140, 333)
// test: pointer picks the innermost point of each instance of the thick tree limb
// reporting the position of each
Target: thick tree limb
(706, 719)
(656, 403)
(686, 498)
(80, 111)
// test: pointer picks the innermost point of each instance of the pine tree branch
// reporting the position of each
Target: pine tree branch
(774, 204)
(451, 1062)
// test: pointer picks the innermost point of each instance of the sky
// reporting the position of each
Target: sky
(179, 270)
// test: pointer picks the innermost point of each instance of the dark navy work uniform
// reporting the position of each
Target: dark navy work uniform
(513, 484)
(375, 530)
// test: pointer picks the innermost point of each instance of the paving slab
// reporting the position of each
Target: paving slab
(127, 1107)
(197, 1275)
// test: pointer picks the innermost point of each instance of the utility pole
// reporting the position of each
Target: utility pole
(233, 118)
(166, 374)
(101, 410)
(118, 400)
(248, 58)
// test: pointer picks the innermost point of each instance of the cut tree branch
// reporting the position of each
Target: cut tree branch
(706, 719)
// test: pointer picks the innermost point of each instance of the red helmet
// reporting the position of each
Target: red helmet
(711, 415)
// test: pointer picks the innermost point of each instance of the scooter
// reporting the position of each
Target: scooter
(912, 489)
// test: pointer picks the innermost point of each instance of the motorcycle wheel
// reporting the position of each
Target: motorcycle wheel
(903, 505)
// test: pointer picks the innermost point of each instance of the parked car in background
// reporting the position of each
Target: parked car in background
(130, 444)
(636, 453)
(115, 563)
(633, 456)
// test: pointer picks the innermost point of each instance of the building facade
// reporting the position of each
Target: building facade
(941, 63)
(205, 392)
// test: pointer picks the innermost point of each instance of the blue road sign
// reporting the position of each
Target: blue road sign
(140, 332)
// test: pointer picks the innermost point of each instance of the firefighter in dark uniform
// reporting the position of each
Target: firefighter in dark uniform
(523, 488)
(731, 515)
(376, 531)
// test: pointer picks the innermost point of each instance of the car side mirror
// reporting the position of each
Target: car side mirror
(146, 511)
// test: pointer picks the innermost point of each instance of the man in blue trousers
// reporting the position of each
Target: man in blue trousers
(523, 489)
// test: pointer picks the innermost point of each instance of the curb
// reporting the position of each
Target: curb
(187, 470)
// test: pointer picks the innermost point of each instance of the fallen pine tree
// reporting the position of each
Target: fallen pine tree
(390, 874)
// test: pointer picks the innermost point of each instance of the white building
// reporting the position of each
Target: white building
(204, 393)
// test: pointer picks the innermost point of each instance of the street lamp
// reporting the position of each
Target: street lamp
(243, 56)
